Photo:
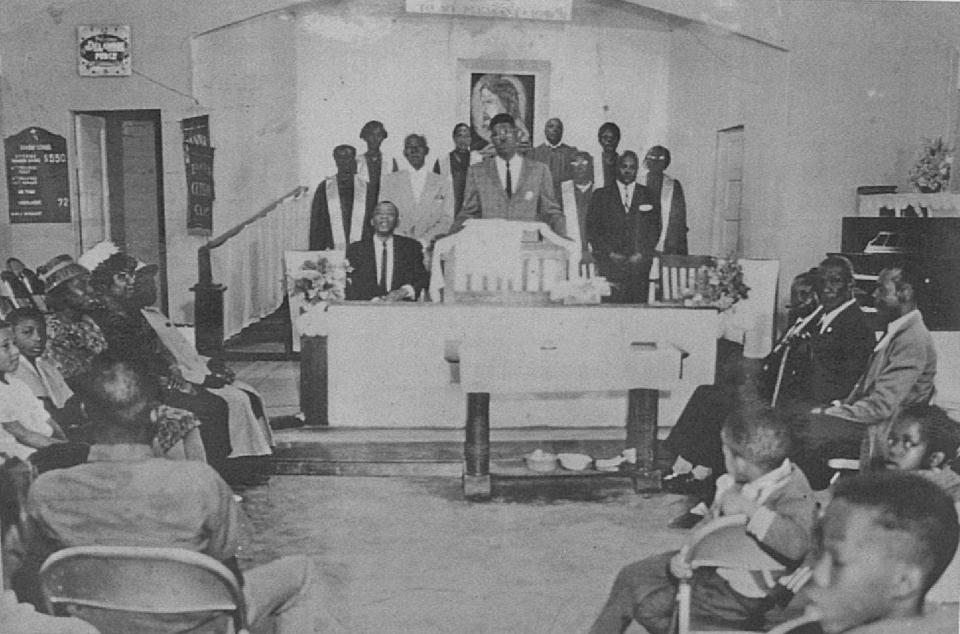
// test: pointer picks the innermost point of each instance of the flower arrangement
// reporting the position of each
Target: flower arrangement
(321, 280)
(719, 285)
(931, 172)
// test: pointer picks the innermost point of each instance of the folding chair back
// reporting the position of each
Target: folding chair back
(721, 543)
(129, 589)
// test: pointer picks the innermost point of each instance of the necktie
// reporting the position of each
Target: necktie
(383, 270)
(509, 182)
(626, 199)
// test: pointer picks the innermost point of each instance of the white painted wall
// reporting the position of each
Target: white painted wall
(369, 60)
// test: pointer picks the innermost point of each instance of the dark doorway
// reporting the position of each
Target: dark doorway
(120, 184)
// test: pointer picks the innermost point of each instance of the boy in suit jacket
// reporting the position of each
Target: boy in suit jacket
(623, 225)
(508, 185)
(386, 266)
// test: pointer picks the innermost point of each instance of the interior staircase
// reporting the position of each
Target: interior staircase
(264, 340)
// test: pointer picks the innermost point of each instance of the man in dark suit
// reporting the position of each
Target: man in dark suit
(622, 228)
(841, 341)
(386, 266)
(508, 185)
(555, 154)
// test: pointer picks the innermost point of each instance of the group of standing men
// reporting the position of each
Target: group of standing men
(621, 224)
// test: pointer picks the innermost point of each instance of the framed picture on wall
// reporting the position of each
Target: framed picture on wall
(516, 87)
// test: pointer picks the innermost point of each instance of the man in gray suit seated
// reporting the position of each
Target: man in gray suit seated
(508, 185)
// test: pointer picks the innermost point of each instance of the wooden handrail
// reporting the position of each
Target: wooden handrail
(204, 266)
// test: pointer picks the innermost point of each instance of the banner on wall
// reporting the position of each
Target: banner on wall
(522, 9)
(38, 181)
(198, 157)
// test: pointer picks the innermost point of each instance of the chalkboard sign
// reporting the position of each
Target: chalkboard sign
(37, 176)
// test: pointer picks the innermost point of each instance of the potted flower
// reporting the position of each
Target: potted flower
(719, 285)
(931, 172)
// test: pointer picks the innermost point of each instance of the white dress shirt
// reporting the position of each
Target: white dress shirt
(626, 194)
(378, 244)
(378, 254)
(828, 318)
(418, 178)
(515, 163)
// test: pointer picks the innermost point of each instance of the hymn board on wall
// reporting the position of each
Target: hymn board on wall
(37, 176)
(198, 157)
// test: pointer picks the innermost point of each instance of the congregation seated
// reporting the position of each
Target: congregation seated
(125, 496)
(820, 356)
(883, 542)
(130, 335)
(386, 266)
(73, 337)
(20, 286)
(761, 483)
(900, 373)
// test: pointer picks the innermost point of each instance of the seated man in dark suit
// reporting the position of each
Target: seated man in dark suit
(623, 225)
(386, 266)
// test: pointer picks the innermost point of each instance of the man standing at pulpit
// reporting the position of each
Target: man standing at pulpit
(673, 206)
(338, 209)
(508, 185)
(622, 228)
(386, 266)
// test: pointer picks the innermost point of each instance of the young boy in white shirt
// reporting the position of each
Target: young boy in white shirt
(760, 483)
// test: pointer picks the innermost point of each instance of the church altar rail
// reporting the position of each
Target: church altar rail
(386, 367)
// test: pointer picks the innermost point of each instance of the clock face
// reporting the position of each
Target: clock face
(103, 50)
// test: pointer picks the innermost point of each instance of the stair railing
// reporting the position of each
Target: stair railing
(240, 273)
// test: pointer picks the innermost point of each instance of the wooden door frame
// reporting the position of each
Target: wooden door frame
(114, 122)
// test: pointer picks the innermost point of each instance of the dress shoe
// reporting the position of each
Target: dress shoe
(685, 521)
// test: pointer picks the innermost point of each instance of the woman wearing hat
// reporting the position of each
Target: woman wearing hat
(74, 338)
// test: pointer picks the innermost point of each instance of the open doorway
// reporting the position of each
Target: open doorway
(120, 184)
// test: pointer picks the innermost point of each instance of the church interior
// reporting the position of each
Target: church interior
(793, 125)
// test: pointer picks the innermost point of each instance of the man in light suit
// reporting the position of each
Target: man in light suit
(337, 214)
(386, 266)
(508, 185)
(899, 373)
(622, 229)
(426, 198)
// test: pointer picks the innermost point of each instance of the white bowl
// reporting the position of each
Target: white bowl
(574, 461)
(541, 460)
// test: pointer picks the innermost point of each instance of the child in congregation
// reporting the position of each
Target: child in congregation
(760, 483)
(39, 373)
(25, 426)
(884, 541)
(924, 439)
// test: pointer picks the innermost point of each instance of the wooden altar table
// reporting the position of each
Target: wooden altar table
(505, 366)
